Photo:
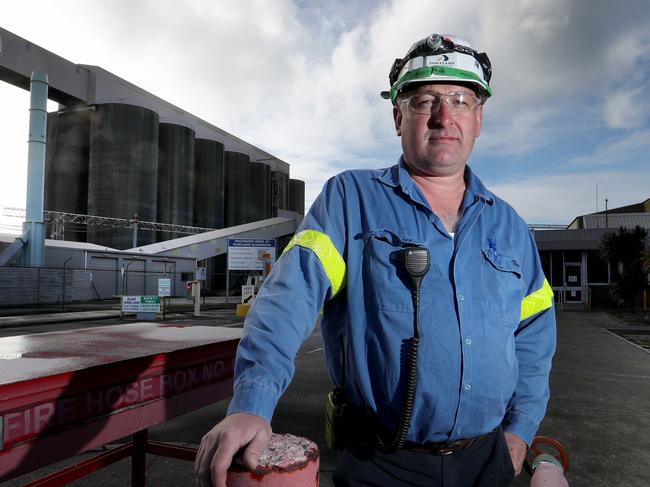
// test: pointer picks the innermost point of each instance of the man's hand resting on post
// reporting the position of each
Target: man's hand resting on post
(221, 443)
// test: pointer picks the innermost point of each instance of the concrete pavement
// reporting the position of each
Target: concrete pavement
(600, 402)
(599, 408)
(22, 316)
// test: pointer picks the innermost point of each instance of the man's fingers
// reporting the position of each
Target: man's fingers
(255, 448)
(202, 463)
(225, 451)
(223, 441)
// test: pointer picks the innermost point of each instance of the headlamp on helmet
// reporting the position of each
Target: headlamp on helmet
(443, 58)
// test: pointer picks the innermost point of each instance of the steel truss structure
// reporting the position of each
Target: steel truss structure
(58, 219)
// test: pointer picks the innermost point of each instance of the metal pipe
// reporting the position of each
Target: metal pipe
(125, 279)
(33, 256)
(64, 264)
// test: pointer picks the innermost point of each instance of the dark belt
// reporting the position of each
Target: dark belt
(444, 448)
(367, 430)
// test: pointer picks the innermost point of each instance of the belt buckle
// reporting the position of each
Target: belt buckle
(446, 450)
(453, 447)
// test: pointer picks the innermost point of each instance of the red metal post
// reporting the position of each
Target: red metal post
(139, 459)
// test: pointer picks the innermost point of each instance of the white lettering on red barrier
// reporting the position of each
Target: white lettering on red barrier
(32, 421)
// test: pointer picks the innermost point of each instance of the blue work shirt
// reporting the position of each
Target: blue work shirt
(487, 324)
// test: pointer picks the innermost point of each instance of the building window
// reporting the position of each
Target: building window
(545, 258)
(573, 256)
(557, 269)
(597, 268)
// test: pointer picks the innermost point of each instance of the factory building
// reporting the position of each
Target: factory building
(571, 259)
(116, 153)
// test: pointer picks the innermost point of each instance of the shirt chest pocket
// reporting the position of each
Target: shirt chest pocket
(503, 285)
(385, 286)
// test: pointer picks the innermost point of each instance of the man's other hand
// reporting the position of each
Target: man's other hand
(221, 443)
(517, 448)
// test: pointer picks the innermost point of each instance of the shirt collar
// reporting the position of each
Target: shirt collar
(398, 175)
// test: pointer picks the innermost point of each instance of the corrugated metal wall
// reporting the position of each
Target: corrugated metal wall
(33, 285)
(118, 160)
(208, 184)
(175, 177)
(66, 167)
(122, 170)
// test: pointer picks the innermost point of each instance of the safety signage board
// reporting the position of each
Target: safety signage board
(247, 294)
(200, 274)
(245, 254)
(164, 287)
(141, 304)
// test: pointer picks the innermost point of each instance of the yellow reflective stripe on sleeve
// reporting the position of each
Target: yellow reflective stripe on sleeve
(326, 252)
(536, 302)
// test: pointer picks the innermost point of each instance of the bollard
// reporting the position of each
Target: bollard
(548, 474)
(548, 468)
(288, 461)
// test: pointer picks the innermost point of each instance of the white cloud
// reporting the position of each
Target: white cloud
(13, 148)
(626, 109)
(560, 198)
(616, 151)
(301, 80)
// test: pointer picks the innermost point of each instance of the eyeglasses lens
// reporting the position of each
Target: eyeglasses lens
(429, 103)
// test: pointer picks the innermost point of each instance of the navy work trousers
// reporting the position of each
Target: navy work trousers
(486, 463)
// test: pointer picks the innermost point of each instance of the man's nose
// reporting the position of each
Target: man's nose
(442, 116)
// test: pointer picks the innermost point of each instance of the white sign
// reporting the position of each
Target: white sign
(247, 294)
(164, 287)
(200, 274)
(141, 304)
(245, 254)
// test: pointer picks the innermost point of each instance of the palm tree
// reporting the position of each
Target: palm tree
(625, 250)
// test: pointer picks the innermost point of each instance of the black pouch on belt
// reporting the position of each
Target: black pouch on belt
(334, 419)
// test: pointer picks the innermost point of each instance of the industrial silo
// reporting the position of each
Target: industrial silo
(209, 201)
(259, 207)
(280, 190)
(208, 183)
(122, 170)
(66, 168)
(175, 177)
(236, 188)
(297, 196)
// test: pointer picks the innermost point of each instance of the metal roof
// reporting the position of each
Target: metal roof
(213, 243)
(579, 239)
(616, 220)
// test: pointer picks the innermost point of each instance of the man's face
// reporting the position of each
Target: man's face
(438, 144)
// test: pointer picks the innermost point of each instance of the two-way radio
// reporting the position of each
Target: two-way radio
(415, 261)
(416, 264)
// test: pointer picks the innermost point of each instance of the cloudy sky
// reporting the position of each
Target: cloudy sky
(567, 127)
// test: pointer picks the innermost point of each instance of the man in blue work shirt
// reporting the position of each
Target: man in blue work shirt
(455, 399)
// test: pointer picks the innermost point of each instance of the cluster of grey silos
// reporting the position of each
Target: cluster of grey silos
(118, 160)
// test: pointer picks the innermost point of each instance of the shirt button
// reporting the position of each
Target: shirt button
(468, 387)
(468, 341)
(461, 297)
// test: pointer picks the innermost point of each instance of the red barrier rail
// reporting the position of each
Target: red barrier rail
(62, 393)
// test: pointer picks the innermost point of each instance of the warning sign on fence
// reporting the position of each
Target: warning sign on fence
(141, 304)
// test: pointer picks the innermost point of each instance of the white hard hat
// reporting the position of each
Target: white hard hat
(440, 58)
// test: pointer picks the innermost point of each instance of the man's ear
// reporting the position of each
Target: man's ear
(479, 115)
(397, 117)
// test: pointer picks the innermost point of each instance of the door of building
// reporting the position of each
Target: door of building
(573, 283)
